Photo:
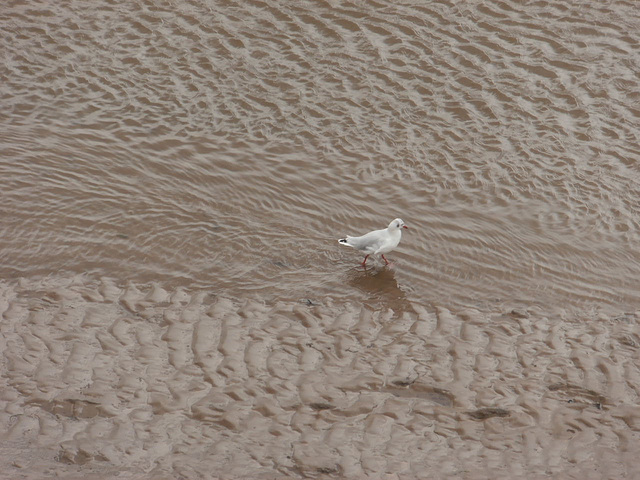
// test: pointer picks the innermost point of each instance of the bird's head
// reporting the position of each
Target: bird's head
(397, 224)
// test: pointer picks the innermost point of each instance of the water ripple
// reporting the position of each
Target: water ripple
(230, 143)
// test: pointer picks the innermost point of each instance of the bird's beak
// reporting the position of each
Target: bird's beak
(404, 226)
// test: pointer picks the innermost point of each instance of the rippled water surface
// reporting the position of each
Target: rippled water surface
(218, 150)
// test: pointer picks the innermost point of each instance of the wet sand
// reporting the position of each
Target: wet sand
(175, 175)
(142, 382)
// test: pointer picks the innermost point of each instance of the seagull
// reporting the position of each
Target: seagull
(378, 241)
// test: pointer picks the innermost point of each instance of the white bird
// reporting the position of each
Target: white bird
(378, 241)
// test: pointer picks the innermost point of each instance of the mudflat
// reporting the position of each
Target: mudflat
(144, 382)
(174, 179)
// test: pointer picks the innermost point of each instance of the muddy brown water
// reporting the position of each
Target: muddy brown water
(174, 177)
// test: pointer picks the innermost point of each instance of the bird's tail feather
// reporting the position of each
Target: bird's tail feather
(343, 241)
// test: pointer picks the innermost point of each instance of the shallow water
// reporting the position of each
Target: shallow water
(174, 177)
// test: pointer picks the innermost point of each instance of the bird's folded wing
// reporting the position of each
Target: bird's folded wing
(371, 241)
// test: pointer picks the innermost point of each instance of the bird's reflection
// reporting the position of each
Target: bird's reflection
(379, 283)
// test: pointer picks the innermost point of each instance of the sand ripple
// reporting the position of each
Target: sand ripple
(157, 383)
(173, 180)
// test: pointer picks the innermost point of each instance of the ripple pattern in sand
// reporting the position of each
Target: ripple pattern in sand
(156, 383)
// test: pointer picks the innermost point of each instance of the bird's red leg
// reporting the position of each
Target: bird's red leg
(364, 262)
(385, 260)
